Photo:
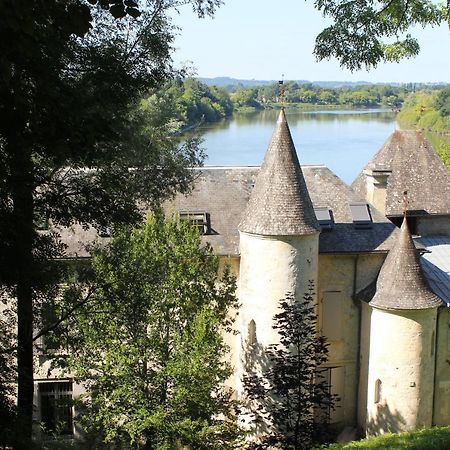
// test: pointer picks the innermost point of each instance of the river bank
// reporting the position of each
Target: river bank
(309, 107)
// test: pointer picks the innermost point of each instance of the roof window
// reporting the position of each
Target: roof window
(199, 219)
(324, 216)
(362, 219)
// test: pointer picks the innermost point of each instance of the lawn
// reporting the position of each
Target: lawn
(437, 438)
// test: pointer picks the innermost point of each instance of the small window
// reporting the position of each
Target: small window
(378, 391)
(199, 219)
(104, 232)
(361, 216)
(252, 340)
(55, 407)
(41, 220)
(325, 218)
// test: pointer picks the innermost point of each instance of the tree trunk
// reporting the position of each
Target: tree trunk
(22, 197)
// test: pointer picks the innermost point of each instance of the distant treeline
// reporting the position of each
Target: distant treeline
(190, 102)
(364, 96)
(429, 110)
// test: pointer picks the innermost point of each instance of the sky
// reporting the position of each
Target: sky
(263, 39)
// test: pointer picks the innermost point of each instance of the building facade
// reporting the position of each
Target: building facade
(382, 306)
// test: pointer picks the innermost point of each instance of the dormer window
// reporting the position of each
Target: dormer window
(199, 219)
(362, 218)
(324, 216)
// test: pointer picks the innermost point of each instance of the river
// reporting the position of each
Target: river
(342, 140)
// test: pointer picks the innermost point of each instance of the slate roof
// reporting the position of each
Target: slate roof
(436, 265)
(280, 204)
(401, 283)
(415, 167)
(223, 192)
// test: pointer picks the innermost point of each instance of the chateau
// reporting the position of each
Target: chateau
(382, 292)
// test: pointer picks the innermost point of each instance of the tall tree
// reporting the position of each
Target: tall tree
(70, 74)
(157, 317)
(289, 397)
(7, 414)
(365, 33)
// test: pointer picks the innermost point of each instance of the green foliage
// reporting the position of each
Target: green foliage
(365, 32)
(295, 94)
(428, 111)
(71, 137)
(186, 104)
(149, 345)
(246, 98)
(442, 146)
(290, 401)
(443, 102)
(426, 439)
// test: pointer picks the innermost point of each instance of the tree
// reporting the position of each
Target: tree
(7, 413)
(157, 318)
(246, 98)
(443, 102)
(292, 394)
(71, 72)
(366, 32)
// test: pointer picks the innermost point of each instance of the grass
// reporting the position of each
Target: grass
(436, 438)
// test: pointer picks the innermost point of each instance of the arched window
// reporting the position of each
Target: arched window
(252, 333)
(378, 391)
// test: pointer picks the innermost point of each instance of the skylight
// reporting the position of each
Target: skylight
(361, 216)
(324, 216)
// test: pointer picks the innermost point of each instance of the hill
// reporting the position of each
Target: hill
(235, 82)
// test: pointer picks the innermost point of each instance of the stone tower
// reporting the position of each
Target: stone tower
(278, 244)
(402, 343)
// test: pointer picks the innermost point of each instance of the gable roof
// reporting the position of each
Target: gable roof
(280, 202)
(401, 283)
(416, 168)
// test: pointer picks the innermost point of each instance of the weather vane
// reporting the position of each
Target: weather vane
(281, 91)
(405, 202)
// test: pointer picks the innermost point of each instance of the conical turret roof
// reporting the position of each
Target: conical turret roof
(401, 283)
(279, 204)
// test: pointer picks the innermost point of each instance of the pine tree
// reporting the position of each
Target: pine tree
(291, 400)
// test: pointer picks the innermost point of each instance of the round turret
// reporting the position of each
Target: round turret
(278, 245)
(402, 343)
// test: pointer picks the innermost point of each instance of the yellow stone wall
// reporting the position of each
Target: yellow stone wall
(442, 383)
(340, 277)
